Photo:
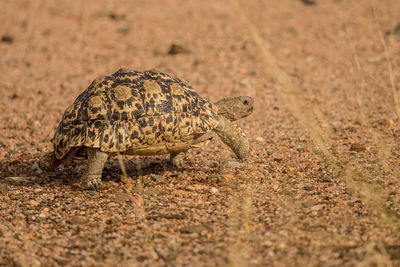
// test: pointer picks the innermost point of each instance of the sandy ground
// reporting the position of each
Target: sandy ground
(320, 189)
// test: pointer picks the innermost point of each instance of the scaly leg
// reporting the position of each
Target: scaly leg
(233, 136)
(91, 178)
(177, 158)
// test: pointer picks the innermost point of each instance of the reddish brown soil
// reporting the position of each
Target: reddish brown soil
(321, 187)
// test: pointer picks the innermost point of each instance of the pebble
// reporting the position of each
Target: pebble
(41, 215)
(260, 139)
(336, 124)
(357, 147)
(232, 163)
(33, 202)
(308, 188)
(159, 178)
(302, 138)
(309, 2)
(77, 220)
(18, 179)
(177, 49)
(35, 166)
(7, 39)
(309, 203)
(214, 190)
(396, 30)
(386, 122)
(3, 189)
(193, 229)
(122, 197)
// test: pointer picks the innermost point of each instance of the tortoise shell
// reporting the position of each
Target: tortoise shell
(135, 112)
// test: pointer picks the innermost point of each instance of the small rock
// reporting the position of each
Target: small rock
(195, 187)
(326, 179)
(138, 201)
(7, 39)
(309, 2)
(214, 165)
(149, 192)
(260, 139)
(77, 220)
(352, 129)
(229, 176)
(3, 189)
(122, 197)
(309, 203)
(317, 207)
(357, 147)
(232, 163)
(253, 238)
(116, 16)
(386, 122)
(214, 190)
(336, 124)
(358, 122)
(396, 30)
(17, 180)
(177, 49)
(193, 229)
(286, 192)
(166, 216)
(124, 179)
(41, 215)
(308, 188)
(158, 178)
(35, 166)
(125, 29)
(33, 203)
(302, 138)
(92, 192)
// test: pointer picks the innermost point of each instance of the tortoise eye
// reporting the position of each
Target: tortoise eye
(245, 102)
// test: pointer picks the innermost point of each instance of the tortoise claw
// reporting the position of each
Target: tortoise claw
(178, 159)
(92, 182)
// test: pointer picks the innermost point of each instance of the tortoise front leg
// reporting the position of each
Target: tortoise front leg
(177, 158)
(91, 178)
(233, 136)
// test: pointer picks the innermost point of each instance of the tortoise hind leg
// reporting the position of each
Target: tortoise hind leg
(91, 178)
(177, 158)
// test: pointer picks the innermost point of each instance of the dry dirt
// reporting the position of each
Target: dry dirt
(320, 189)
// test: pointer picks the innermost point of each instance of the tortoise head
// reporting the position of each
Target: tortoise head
(234, 108)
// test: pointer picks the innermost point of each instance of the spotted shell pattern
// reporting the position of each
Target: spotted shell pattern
(135, 111)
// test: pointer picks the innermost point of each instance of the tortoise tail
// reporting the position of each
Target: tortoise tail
(48, 162)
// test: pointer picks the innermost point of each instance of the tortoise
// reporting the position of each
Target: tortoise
(143, 113)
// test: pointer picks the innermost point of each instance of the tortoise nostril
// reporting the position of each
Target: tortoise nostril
(245, 102)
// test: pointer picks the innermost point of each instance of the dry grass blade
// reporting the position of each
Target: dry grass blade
(384, 150)
(286, 89)
(140, 211)
(240, 224)
(390, 67)
(122, 165)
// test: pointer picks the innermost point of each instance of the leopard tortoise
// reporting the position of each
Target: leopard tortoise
(143, 113)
